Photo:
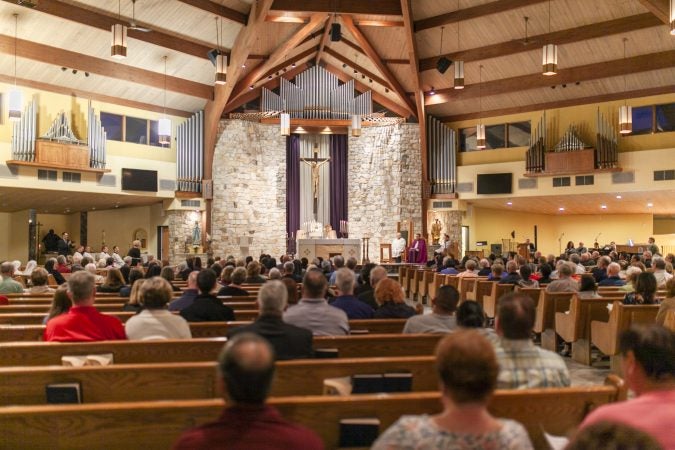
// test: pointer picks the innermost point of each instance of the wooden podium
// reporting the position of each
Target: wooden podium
(524, 251)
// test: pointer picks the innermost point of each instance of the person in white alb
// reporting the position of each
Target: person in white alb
(397, 247)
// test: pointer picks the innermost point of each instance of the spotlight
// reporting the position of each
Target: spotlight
(74, 71)
(344, 65)
(386, 90)
(564, 86)
(63, 69)
(243, 66)
(370, 80)
(363, 77)
(356, 71)
(86, 74)
(276, 74)
(270, 77)
(578, 83)
(552, 87)
(251, 87)
(335, 33)
(443, 64)
(432, 91)
(285, 69)
(293, 65)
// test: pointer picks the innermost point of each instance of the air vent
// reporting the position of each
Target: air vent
(167, 185)
(664, 175)
(47, 175)
(108, 180)
(441, 205)
(584, 180)
(190, 203)
(527, 183)
(72, 177)
(464, 187)
(561, 181)
(623, 177)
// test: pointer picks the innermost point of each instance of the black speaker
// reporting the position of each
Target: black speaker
(443, 64)
(211, 54)
(335, 32)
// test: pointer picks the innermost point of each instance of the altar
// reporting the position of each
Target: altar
(327, 248)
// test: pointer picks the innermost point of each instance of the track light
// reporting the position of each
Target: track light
(74, 71)
(344, 66)
(432, 91)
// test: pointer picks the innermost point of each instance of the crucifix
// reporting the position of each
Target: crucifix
(314, 164)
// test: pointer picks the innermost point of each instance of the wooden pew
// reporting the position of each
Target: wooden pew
(36, 318)
(575, 326)
(427, 279)
(193, 380)
(159, 424)
(605, 335)
(467, 288)
(669, 321)
(19, 333)
(436, 282)
(415, 284)
(490, 301)
(483, 288)
(202, 349)
(544, 324)
(452, 280)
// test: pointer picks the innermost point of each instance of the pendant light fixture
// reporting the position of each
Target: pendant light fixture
(480, 129)
(285, 123)
(459, 65)
(672, 17)
(164, 125)
(356, 125)
(118, 48)
(625, 111)
(550, 53)
(15, 95)
(221, 59)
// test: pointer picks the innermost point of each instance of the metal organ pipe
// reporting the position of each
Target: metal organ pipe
(441, 156)
(24, 133)
(190, 153)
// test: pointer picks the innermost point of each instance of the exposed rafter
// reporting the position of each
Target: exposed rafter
(377, 97)
(38, 85)
(370, 7)
(354, 46)
(60, 57)
(343, 59)
(220, 10)
(324, 38)
(606, 69)
(562, 103)
(294, 59)
(473, 12)
(660, 9)
(381, 67)
(278, 55)
(571, 35)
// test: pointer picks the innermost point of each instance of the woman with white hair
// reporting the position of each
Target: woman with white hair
(30, 266)
(91, 267)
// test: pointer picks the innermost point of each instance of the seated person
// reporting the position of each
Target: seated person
(189, 294)
(512, 276)
(467, 368)
(449, 266)
(525, 278)
(168, 274)
(234, 288)
(113, 282)
(442, 317)
(612, 278)
(134, 274)
(206, 307)
(38, 281)
(565, 282)
(155, 321)
(645, 291)
(389, 297)
(345, 300)
(484, 265)
(470, 266)
(545, 274)
(668, 303)
(253, 273)
(496, 272)
(612, 435)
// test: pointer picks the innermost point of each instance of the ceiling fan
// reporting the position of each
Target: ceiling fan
(132, 24)
(528, 40)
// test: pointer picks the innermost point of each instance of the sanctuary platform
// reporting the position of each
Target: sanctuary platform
(327, 248)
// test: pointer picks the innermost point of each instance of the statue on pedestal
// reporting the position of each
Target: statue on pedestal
(196, 235)
(436, 228)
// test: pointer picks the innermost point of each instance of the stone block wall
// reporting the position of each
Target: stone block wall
(249, 189)
(385, 183)
(180, 223)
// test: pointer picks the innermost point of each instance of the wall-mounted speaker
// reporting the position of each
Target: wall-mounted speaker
(443, 64)
(335, 32)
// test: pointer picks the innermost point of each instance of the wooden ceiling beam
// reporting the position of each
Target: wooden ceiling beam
(571, 35)
(219, 10)
(378, 23)
(561, 104)
(294, 59)
(324, 38)
(381, 67)
(302, 17)
(279, 53)
(377, 97)
(38, 85)
(355, 47)
(65, 58)
(344, 60)
(370, 7)
(659, 8)
(473, 12)
(595, 71)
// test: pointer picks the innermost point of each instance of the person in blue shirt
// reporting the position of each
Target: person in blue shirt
(346, 301)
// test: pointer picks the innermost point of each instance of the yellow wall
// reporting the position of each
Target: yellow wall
(493, 225)
(17, 236)
(60, 223)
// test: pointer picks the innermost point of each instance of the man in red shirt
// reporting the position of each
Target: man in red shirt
(246, 365)
(649, 369)
(83, 322)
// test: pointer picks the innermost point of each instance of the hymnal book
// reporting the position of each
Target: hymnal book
(397, 382)
(359, 432)
(323, 353)
(367, 383)
(64, 393)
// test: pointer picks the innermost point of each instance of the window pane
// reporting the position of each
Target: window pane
(467, 139)
(112, 124)
(519, 134)
(665, 117)
(154, 133)
(495, 136)
(642, 120)
(137, 130)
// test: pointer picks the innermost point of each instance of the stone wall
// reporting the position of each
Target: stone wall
(385, 187)
(249, 189)
(180, 223)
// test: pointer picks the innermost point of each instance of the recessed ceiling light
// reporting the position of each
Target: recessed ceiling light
(561, 209)
(603, 206)
(619, 197)
(509, 203)
(649, 205)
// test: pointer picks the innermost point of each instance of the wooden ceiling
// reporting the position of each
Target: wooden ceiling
(392, 44)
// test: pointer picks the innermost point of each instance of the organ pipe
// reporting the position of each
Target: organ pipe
(190, 154)
(535, 156)
(24, 134)
(96, 140)
(441, 144)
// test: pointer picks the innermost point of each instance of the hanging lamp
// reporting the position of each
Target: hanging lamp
(15, 95)
(625, 111)
(356, 125)
(164, 125)
(285, 124)
(118, 47)
(550, 51)
(459, 65)
(480, 129)
(672, 17)
(221, 59)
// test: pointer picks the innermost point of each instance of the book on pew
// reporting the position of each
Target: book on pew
(64, 393)
(367, 383)
(359, 432)
(397, 382)
(323, 353)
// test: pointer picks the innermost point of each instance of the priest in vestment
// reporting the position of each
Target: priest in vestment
(418, 250)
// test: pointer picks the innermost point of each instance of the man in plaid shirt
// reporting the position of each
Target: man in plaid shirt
(523, 365)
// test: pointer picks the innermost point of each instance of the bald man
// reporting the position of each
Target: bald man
(246, 367)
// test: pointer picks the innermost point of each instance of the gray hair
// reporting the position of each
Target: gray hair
(470, 264)
(289, 267)
(378, 274)
(272, 298)
(61, 259)
(614, 268)
(511, 266)
(344, 280)
(7, 268)
(91, 267)
(574, 258)
(484, 263)
(81, 285)
(274, 274)
(339, 261)
(566, 270)
(238, 275)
